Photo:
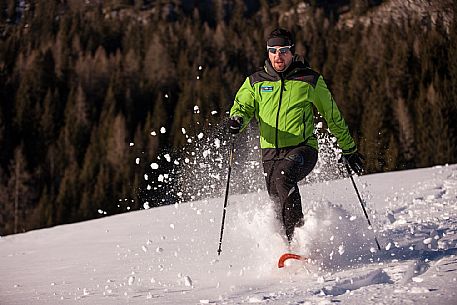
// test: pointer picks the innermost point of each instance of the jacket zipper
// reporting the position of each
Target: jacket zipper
(277, 116)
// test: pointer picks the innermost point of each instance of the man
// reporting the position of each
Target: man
(281, 97)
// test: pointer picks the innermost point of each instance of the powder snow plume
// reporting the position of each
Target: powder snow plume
(333, 237)
(198, 170)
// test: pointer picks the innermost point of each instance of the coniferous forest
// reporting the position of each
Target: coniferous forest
(87, 86)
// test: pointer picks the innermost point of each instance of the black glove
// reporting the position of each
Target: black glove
(235, 124)
(355, 161)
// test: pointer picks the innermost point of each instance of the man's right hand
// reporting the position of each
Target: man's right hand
(235, 124)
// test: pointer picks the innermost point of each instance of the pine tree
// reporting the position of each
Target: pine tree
(19, 190)
(93, 160)
(43, 215)
(157, 63)
(5, 206)
(2, 137)
(48, 118)
(117, 143)
(69, 195)
(28, 109)
(360, 7)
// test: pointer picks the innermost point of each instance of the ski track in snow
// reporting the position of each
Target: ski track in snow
(168, 255)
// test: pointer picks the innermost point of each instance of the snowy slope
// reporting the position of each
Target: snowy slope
(168, 255)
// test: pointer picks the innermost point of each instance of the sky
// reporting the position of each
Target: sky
(168, 255)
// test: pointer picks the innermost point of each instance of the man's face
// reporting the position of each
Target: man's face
(281, 58)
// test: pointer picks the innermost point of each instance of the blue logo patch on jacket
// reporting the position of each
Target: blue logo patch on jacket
(266, 89)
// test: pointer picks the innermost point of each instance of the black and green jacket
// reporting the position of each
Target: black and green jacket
(283, 104)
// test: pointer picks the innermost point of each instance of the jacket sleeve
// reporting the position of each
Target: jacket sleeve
(244, 104)
(326, 105)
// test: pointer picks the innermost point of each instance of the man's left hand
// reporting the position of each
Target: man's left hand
(355, 161)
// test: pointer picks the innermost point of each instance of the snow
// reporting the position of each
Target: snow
(168, 255)
(167, 157)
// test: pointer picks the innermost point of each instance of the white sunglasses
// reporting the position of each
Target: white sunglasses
(282, 50)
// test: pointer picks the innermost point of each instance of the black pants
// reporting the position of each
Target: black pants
(283, 171)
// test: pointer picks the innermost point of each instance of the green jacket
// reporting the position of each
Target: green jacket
(283, 104)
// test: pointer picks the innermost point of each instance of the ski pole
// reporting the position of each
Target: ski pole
(232, 145)
(361, 202)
